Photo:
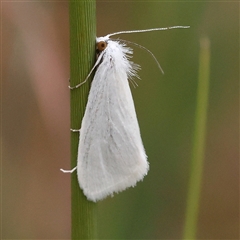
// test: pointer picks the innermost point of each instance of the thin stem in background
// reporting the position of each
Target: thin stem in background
(198, 151)
(82, 56)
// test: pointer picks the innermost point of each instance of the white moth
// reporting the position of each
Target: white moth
(111, 156)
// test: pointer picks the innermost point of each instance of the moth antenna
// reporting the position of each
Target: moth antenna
(140, 46)
(146, 30)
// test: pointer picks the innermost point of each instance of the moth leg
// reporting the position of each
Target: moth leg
(72, 170)
(95, 65)
(68, 171)
(75, 130)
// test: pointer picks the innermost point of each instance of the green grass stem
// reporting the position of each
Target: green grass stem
(198, 151)
(82, 16)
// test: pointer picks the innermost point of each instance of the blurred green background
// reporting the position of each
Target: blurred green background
(35, 120)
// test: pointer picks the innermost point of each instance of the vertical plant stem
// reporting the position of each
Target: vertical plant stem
(198, 151)
(82, 56)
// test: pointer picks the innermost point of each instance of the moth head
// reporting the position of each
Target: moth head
(101, 46)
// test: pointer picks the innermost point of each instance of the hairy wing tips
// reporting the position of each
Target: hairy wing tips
(130, 181)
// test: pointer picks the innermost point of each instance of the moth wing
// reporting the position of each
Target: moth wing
(111, 156)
